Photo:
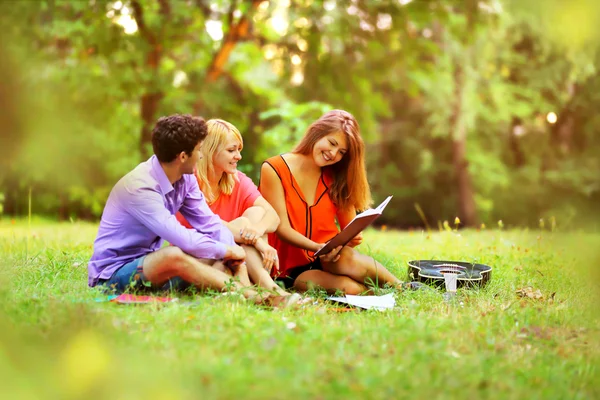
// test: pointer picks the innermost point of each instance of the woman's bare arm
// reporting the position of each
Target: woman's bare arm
(344, 217)
(270, 221)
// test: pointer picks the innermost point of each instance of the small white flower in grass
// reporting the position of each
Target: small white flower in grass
(290, 325)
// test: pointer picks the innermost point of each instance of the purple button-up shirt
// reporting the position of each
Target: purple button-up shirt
(140, 214)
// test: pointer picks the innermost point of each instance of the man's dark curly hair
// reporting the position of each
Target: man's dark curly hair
(176, 133)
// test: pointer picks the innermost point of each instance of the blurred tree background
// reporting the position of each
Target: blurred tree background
(486, 110)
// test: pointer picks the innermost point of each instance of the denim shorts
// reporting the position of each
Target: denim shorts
(131, 277)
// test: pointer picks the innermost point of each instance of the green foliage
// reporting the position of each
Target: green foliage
(292, 120)
(409, 72)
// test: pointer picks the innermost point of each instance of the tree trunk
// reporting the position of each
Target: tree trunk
(513, 143)
(563, 132)
(467, 209)
(149, 104)
(237, 31)
(253, 141)
(11, 196)
(150, 101)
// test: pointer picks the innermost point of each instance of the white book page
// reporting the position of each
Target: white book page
(384, 204)
(372, 211)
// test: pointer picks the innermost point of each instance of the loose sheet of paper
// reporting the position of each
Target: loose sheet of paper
(368, 302)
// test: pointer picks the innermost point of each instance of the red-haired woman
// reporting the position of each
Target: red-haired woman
(322, 180)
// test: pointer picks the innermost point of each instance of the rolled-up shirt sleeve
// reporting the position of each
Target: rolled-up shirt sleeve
(147, 206)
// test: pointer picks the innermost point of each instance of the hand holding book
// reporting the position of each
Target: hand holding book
(356, 226)
(356, 240)
(331, 256)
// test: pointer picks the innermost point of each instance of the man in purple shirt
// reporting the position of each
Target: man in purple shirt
(140, 214)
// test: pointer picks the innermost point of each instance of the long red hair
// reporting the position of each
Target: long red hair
(350, 186)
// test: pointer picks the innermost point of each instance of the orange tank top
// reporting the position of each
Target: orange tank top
(316, 221)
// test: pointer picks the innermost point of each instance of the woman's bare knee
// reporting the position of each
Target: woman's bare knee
(347, 256)
(328, 281)
(352, 287)
(348, 287)
(351, 263)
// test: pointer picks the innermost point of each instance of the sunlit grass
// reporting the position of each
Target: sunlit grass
(56, 341)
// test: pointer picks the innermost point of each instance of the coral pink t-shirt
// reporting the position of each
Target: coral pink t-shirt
(243, 196)
(230, 207)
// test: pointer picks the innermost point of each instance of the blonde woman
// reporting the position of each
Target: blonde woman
(236, 200)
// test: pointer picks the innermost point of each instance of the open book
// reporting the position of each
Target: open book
(360, 222)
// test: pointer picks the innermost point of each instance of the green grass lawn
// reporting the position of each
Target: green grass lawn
(56, 341)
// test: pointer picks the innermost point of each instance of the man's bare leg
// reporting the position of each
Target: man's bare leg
(171, 261)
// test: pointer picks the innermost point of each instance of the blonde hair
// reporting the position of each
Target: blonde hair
(350, 186)
(216, 140)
